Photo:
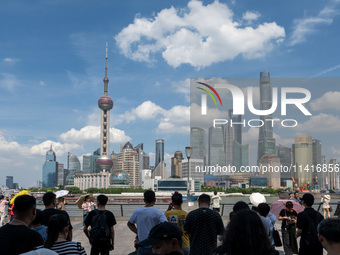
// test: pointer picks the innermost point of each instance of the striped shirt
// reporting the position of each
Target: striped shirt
(67, 248)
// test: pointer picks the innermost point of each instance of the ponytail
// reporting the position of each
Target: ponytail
(55, 226)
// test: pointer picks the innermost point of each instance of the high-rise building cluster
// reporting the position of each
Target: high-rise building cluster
(218, 146)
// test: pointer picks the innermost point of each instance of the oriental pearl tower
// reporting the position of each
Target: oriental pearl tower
(104, 161)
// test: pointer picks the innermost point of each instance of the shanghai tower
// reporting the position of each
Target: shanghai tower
(104, 161)
(266, 143)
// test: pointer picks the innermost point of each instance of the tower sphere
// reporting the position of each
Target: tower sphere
(104, 162)
(105, 103)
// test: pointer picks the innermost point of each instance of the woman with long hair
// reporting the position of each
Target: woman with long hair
(57, 231)
(245, 235)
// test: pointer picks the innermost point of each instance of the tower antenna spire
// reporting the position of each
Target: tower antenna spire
(106, 79)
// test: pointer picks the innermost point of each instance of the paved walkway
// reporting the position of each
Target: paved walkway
(124, 237)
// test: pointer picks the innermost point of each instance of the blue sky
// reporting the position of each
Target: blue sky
(52, 57)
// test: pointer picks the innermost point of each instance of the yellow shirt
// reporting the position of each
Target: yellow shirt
(178, 217)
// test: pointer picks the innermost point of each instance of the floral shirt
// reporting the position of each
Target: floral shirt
(87, 206)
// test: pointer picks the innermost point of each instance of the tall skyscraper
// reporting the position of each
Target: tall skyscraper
(60, 175)
(197, 142)
(266, 143)
(73, 163)
(105, 103)
(285, 155)
(217, 154)
(128, 162)
(143, 159)
(89, 164)
(9, 182)
(303, 159)
(159, 157)
(49, 178)
(176, 164)
(317, 160)
(273, 177)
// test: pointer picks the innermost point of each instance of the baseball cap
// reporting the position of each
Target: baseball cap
(164, 230)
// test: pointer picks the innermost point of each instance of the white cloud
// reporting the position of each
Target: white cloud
(308, 25)
(191, 36)
(283, 141)
(11, 60)
(175, 120)
(42, 83)
(196, 119)
(328, 70)
(91, 134)
(58, 148)
(182, 87)
(329, 100)
(251, 16)
(324, 123)
(9, 82)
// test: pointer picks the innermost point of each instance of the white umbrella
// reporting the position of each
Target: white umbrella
(61, 193)
(257, 198)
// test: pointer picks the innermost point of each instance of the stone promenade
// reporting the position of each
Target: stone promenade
(124, 238)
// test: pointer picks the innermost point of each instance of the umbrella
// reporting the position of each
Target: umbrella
(277, 206)
(81, 200)
(23, 192)
(61, 193)
(257, 198)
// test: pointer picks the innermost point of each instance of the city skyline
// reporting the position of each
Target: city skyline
(52, 69)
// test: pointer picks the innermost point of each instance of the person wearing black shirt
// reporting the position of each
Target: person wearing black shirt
(101, 248)
(304, 219)
(16, 237)
(50, 202)
(288, 217)
(203, 225)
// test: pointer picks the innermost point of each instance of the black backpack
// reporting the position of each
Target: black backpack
(312, 234)
(99, 232)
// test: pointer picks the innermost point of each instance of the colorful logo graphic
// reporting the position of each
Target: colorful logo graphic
(208, 92)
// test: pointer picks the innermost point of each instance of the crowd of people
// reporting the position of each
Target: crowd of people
(250, 231)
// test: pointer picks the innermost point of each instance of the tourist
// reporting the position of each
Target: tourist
(50, 201)
(291, 196)
(263, 211)
(238, 206)
(106, 244)
(307, 222)
(329, 235)
(175, 214)
(61, 204)
(296, 197)
(165, 239)
(87, 206)
(245, 235)
(16, 237)
(37, 226)
(216, 202)
(325, 205)
(144, 219)
(288, 217)
(57, 233)
(203, 225)
(3, 203)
